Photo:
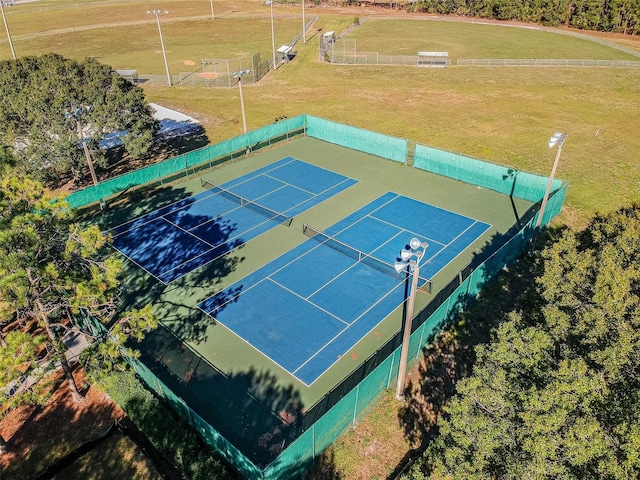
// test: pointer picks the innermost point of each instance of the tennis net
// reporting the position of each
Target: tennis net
(354, 253)
(245, 202)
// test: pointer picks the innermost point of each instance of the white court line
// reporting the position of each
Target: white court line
(158, 216)
(445, 246)
(347, 328)
(306, 299)
(228, 240)
(451, 242)
(239, 235)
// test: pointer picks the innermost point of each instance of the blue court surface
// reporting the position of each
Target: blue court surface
(174, 240)
(307, 308)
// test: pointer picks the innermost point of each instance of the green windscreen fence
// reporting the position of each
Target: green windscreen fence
(366, 141)
(467, 169)
(237, 145)
(502, 179)
(349, 400)
(207, 432)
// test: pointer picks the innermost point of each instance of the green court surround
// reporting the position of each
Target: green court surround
(261, 419)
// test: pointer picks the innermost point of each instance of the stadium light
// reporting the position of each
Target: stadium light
(6, 27)
(410, 258)
(157, 13)
(558, 139)
(76, 114)
(239, 74)
(273, 37)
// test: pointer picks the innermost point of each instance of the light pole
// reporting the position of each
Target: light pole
(239, 74)
(6, 27)
(304, 26)
(273, 37)
(558, 139)
(75, 114)
(157, 13)
(213, 17)
(410, 258)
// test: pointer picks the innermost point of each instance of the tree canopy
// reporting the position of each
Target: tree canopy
(54, 274)
(556, 394)
(612, 16)
(47, 103)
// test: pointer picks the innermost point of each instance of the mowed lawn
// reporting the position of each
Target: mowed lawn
(503, 114)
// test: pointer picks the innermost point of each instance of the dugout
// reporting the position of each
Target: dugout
(326, 44)
(433, 59)
(129, 75)
(284, 53)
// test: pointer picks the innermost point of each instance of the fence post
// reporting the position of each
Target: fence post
(393, 360)
(313, 442)
(355, 405)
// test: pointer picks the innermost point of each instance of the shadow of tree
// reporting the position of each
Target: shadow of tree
(251, 409)
(451, 357)
(154, 245)
(325, 467)
(40, 435)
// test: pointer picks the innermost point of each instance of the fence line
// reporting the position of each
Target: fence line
(546, 62)
(375, 58)
(307, 436)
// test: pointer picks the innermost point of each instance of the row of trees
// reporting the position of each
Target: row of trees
(50, 104)
(54, 271)
(556, 392)
(609, 16)
(621, 16)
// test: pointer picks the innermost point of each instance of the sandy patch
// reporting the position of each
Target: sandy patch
(208, 74)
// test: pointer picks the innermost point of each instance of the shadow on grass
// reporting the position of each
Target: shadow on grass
(42, 435)
(325, 467)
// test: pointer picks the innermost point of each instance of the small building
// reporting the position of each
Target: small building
(327, 40)
(329, 37)
(129, 75)
(285, 53)
(433, 59)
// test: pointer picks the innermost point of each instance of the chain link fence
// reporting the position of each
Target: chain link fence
(345, 52)
(223, 72)
(542, 62)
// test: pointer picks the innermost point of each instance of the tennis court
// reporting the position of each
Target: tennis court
(174, 240)
(308, 307)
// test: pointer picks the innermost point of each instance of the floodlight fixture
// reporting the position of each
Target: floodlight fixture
(157, 14)
(6, 27)
(558, 139)
(409, 261)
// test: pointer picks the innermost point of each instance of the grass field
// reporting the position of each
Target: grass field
(473, 40)
(503, 114)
